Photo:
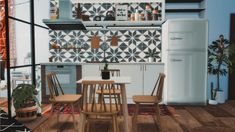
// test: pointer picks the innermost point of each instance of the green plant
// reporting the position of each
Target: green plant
(24, 95)
(151, 53)
(220, 60)
(106, 66)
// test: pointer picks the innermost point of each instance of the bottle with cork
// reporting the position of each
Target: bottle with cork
(136, 15)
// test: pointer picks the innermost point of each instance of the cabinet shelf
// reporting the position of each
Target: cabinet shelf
(183, 1)
(121, 23)
(68, 48)
(184, 10)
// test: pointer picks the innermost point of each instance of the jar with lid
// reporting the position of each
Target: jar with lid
(148, 12)
(155, 14)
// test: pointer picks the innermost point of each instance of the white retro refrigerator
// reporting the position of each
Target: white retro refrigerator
(184, 52)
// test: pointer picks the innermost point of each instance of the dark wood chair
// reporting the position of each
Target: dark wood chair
(99, 108)
(153, 99)
(57, 96)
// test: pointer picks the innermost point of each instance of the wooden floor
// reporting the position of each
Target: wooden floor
(220, 118)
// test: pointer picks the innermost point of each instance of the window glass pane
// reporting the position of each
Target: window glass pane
(3, 87)
(20, 43)
(41, 11)
(41, 45)
(20, 9)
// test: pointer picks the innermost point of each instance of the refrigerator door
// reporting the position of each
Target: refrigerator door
(187, 35)
(186, 78)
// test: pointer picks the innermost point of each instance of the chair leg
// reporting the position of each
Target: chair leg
(134, 120)
(52, 108)
(88, 126)
(117, 126)
(82, 122)
(119, 101)
(158, 117)
(114, 124)
(58, 114)
(74, 124)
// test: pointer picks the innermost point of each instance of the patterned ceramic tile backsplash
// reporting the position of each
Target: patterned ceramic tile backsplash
(132, 44)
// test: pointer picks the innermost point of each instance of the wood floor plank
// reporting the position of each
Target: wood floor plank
(186, 120)
(228, 121)
(204, 117)
(228, 107)
(170, 125)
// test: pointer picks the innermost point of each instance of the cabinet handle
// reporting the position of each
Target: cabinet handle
(145, 67)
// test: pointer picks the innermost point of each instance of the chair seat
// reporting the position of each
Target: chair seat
(106, 92)
(145, 99)
(101, 112)
(66, 98)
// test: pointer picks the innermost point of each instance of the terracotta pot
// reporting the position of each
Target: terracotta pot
(26, 114)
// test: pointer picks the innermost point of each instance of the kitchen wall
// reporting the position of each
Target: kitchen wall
(133, 45)
(218, 13)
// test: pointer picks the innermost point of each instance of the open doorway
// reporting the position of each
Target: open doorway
(231, 93)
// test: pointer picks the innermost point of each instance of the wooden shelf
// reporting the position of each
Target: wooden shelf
(184, 10)
(67, 48)
(184, 1)
(125, 24)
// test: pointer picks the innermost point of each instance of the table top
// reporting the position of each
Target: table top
(119, 80)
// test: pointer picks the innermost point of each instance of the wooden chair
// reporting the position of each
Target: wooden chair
(150, 99)
(57, 96)
(114, 73)
(97, 109)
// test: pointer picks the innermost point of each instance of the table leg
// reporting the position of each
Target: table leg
(124, 108)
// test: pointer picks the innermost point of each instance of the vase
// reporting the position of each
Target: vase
(220, 97)
(105, 75)
(150, 59)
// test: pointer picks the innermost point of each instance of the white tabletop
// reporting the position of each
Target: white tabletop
(119, 80)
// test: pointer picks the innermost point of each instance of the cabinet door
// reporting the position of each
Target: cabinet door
(186, 76)
(136, 74)
(90, 70)
(151, 73)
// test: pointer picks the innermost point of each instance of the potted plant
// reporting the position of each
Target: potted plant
(24, 101)
(219, 63)
(105, 72)
(151, 55)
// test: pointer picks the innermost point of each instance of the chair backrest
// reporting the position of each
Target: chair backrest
(97, 102)
(54, 85)
(114, 72)
(159, 85)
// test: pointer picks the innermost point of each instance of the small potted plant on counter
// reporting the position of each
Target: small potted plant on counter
(24, 101)
(105, 72)
(220, 54)
(151, 55)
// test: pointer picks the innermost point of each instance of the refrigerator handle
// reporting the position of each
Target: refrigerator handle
(176, 60)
